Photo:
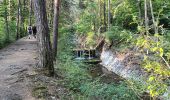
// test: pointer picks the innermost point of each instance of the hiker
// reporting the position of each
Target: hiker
(29, 31)
(34, 30)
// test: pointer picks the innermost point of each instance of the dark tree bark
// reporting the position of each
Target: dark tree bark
(6, 22)
(21, 26)
(45, 51)
(18, 20)
(139, 5)
(104, 14)
(146, 16)
(30, 14)
(50, 13)
(24, 17)
(100, 13)
(153, 17)
(55, 26)
(108, 15)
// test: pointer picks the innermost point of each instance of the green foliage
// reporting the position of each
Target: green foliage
(3, 38)
(6, 38)
(123, 12)
(105, 91)
(154, 64)
(77, 78)
(156, 84)
(119, 36)
(90, 39)
(88, 20)
(124, 15)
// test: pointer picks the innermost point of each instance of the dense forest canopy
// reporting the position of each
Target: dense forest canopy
(141, 27)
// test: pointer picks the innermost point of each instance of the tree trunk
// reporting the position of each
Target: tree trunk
(9, 8)
(108, 15)
(146, 17)
(153, 18)
(24, 16)
(18, 11)
(21, 19)
(51, 13)
(45, 51)
(140, 12)
(6, 22)
(55, 26)
(30, 14)
(104, 13)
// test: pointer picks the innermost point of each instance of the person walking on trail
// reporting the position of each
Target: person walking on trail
(29, 31)
(34, 30)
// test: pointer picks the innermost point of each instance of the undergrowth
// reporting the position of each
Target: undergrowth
(80, 83)
(3, 37)
(119, 38)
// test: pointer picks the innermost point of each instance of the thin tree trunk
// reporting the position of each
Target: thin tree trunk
(51, 12)
(17, 37)
(9, 8)
(55, 26)
(20, 18)
(23, 18)
(45, 50)
(7, 27)
(30, 14)
(140, 12)
(6, 22)
(146, 17)
(108, 15)
(104, 13)
(98, 19)
(153, 18)
(99, 11)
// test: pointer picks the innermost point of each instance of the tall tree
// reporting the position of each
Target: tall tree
(24, 16)
(108, 15)
(30, 13)
(18, 19)
(6, 21)
(99, 12)
(9, 8)
(153, 17)
(50, 11)
(139, 5)
(146, 16)
(21, 23)
(104, 14)
(45, 51)
(55, 26)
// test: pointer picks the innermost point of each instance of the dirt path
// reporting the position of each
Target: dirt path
(16, 63)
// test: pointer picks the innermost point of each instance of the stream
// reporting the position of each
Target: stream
(99, 71)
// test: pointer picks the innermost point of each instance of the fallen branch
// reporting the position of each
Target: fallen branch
(166, 62)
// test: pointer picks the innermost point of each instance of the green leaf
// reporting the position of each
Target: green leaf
(151, 78)
(161, 52)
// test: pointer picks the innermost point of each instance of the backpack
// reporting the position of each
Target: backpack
(29, 29)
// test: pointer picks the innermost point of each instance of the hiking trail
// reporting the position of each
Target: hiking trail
(17, 61)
